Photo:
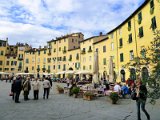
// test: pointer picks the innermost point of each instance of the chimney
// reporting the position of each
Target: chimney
(100, 34)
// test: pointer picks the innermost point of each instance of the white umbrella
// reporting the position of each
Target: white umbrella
(111, 71)
(62, 72)
(95, 68)
(70, 72)
(83, 72)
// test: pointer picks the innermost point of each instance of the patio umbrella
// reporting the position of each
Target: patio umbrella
(62, 72)
(70, 72)
(83, 72)
(111, 71)
(95, 68)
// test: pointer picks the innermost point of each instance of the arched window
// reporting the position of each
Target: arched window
(132, 74)
(145, 74)
(123, 75)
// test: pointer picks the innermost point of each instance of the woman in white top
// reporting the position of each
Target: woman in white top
(36, 87)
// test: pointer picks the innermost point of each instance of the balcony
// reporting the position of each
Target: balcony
(20, 58)
(83, 52)
(90, 50)
(49, 53)
(43, 69)
(64, 51)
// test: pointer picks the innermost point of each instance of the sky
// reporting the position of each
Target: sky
(37, 21)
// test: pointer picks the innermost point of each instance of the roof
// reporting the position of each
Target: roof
(135, 12)
(74, 49)
(91, 38)
(63, 37)
(104, 39)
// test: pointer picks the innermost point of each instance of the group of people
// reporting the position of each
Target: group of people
(24, 84)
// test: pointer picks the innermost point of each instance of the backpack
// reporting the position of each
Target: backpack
(133, 95)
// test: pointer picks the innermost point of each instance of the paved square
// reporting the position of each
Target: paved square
(63, 107)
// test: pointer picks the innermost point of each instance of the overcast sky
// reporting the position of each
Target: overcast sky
(38, 21)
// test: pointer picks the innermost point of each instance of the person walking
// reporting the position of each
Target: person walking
(13, 88)
(46, 86)
(18, 88)
(36, 87)
(141, 91)
(26, 88)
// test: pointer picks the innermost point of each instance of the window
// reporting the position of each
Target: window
(131, 55)
(59, 66)
(96, 49)
(64, 58)
(90, 49)
(44, 60)
(32, 67)
(129, 25)
(104, 61)
(90, 67)
(72, 40)
(112, 46)
(39, 52)
(1, 53)
(151, 7)
(121, 57)
(104, 48)
(77, 56)
(152, 4)
(84, 67)
(154, 24)
(141, 32)
(1, 62)
(120, 42)
(44, 51)
(7, 63)
(27, 61)
(143, 52)
(54, 67)
(130, 38)
(59, 48)
(139, 18)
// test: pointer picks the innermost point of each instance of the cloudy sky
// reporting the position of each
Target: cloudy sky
(38, 21)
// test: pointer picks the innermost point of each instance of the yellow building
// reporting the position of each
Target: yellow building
(87, 52)
(3, 48)
(132, 36)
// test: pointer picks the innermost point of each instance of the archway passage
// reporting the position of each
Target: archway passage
(132, 74)
(123, 76)
(70, 68)
(145, 74)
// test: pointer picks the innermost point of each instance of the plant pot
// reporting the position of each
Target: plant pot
(75, 95)
(114, 101)
(60, 91)
(89, 98)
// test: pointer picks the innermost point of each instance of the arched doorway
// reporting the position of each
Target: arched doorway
(122, 75)
(132, 74)
(145, 74)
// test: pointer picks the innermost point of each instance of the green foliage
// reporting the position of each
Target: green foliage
(152, 61)
(114, 97)
(75, 90)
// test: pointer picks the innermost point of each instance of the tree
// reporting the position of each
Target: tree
(150, 57)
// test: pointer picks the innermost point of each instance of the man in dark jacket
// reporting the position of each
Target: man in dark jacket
(17, 88)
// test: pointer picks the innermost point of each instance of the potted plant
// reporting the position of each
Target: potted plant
(59, 89)
(88, 95)
(114, 97)
(75, 91)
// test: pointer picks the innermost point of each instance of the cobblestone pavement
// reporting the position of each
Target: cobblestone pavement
(63, 107)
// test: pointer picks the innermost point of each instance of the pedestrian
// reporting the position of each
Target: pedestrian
(18, 88)
(46, 86)
(49, 79)
(26, 88)
(117, 88)
(141, 92)
(13, 88)
(36, 87)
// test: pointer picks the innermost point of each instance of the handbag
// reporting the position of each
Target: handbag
(11, 94)
(133, 95)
